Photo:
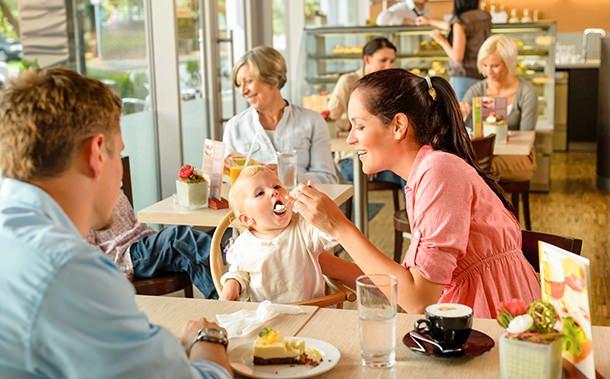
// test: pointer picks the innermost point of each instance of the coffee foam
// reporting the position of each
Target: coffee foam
(449, 310)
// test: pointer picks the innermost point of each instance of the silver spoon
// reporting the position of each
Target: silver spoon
(415, 336)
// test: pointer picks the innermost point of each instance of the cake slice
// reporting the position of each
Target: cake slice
(271, 348)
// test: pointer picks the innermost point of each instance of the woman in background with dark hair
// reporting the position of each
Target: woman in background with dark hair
(378, 54)
(466, 242)
(468, 28)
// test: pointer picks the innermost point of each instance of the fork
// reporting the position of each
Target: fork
(415, 336)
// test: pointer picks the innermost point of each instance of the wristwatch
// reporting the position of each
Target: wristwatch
(210, 334)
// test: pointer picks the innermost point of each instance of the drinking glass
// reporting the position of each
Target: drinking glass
(236, 164)
(287, 168)
(377, 319)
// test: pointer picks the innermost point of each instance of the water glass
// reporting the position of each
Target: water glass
(287, 168)
(377, 319)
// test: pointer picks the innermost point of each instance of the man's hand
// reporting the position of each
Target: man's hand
(203, 351)
(421, 20)
(231, 290)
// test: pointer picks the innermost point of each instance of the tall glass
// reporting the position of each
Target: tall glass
(287, 168)
(377, 295)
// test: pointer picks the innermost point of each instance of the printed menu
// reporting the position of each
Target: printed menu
(213, 165)
(565, 280)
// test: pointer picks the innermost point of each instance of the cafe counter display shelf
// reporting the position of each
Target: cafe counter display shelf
(332, 51)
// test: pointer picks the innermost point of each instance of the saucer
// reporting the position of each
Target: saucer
(477, 344)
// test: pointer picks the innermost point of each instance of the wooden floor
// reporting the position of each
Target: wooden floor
(573, 207)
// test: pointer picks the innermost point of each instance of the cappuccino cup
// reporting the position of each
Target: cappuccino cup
(447, 323)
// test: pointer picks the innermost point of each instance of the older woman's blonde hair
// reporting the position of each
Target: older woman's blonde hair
(504, 47)
(266, 65)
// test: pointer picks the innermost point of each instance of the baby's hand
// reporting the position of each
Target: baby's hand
(231, 290)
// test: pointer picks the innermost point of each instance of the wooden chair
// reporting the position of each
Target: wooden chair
(484, 152)
(217, 267)
(529, 245)
(166, 282)
(519, 190)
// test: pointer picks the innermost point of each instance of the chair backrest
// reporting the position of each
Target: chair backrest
(484, 151)
(529, 245)
(217, 269)
(127, 180)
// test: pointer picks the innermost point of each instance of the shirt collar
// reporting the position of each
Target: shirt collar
(17, 192)
(421, 154)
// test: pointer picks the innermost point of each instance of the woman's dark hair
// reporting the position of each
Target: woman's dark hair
(376, 44)
(437, 123)
(461, 6)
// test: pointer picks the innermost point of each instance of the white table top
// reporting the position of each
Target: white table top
(167, 212)
(519, 143)
(340, 328)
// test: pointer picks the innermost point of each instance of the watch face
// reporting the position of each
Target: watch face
(214, 333)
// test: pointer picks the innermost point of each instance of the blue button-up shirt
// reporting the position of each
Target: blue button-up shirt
(66, 310)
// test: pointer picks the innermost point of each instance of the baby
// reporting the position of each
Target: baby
(279, 256)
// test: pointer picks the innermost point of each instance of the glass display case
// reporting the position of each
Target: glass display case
(332, 51)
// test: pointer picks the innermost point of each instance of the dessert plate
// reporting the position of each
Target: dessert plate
(477, 344)
(240, 357)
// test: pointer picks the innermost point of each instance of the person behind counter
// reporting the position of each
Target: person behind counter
(466, 242)
(469, 27)
(272, 124)
(378, 54)
(403, 13)
(497, 61)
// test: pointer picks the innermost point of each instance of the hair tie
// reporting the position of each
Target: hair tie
(431, 90)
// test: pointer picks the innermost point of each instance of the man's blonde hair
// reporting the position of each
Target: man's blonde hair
(266, 65)
(45, 116)
(504, 47)
(234, 193)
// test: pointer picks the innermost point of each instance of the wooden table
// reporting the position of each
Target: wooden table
(166, 212)
(519, 143)
(340, 328)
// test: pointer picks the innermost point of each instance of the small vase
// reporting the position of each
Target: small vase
(525, 360)
(192, 195)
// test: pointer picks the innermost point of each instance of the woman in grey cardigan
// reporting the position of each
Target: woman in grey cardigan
(497, 61)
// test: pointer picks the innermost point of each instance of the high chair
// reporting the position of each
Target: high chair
(339, 295)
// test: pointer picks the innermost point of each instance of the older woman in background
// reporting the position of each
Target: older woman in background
(497, 61)
(272, 124)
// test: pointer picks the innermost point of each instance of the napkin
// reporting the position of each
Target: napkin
(242, 323)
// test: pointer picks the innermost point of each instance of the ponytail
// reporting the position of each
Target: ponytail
(432, 109)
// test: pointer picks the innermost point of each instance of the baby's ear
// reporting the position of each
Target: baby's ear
(246, 221)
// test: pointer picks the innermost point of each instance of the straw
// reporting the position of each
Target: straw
(251, 150)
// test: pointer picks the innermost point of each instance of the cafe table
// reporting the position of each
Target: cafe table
(340, 328)
(167, 212)
(519, 143)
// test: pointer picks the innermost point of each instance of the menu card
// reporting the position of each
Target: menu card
(489, 112)
(213, 165)
(565, 279)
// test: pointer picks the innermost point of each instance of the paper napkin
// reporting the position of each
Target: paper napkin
(242, 323)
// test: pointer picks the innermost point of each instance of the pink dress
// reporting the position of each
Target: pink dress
(463, 237)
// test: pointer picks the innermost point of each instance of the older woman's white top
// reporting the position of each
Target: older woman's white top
(299, 129)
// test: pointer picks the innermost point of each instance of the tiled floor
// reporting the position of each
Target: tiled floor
(573, 207)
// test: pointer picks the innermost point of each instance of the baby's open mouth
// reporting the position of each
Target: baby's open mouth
(279, 208)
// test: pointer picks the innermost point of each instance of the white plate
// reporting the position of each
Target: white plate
(240, 357)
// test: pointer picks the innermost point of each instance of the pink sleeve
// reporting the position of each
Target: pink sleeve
(440, 222)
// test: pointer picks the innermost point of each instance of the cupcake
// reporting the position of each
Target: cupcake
(191, 188)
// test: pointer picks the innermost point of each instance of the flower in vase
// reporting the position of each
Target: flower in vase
(520, 324)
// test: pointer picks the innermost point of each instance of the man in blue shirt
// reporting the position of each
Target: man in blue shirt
(66, 309)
